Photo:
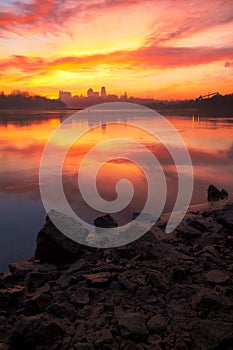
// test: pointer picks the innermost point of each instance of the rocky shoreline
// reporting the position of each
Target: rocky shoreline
(161, 292)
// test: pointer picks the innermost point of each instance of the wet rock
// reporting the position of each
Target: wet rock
(131, 324)
(217, 276)
(106, 221)
(213, 194)
(29, 332)
(53, 246)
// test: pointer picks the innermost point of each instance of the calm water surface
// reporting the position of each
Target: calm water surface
(24, 135)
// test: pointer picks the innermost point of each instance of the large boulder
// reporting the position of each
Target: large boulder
(30, 332)
(53, 246)
(106, 221)
(213, 194)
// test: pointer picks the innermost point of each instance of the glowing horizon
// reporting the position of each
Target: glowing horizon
(164, 50)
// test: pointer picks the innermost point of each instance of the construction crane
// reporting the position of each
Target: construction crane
(207, 96)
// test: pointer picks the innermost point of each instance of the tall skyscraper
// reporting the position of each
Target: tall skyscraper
(103, 92)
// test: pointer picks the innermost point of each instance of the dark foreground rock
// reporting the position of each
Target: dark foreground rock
(163, 291)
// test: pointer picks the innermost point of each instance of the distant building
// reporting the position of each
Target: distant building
(91, 93)
(64, 96)
(103, 92)
(124, 97)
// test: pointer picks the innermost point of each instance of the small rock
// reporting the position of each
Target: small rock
(83, 346)
(159, 281)
(104, 337)
(77, 266)
(131, 324)
(80, 297)
(126, 283)
(180, 345)
(97, 279)
(217, 276)
(63, 310)
(157, 323)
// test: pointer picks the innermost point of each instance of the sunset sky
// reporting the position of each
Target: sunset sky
(162, 49)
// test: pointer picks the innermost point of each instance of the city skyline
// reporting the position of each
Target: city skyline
(162, 49)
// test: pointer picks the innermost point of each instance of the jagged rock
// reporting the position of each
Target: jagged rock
(217, 276)
(106, 221)
(30, 332)
(131, 324)
(213, 194)
(53, 246)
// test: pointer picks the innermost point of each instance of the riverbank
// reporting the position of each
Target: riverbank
(160, 292)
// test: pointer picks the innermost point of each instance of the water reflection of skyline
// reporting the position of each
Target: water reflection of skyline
(22, 142)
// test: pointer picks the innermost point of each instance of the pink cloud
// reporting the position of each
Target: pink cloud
(144, 57)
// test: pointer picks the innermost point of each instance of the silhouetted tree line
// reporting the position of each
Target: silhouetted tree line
(22, 100)
(215, 105)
